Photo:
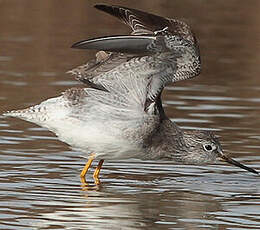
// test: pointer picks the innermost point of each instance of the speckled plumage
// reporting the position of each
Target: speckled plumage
(121, 114)
(160, 49)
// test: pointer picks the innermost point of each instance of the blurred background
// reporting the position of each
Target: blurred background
(39, 182)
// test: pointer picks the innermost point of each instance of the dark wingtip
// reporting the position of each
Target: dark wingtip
(74, 46)
(117, 43)
(100, 6)
(77, 45)
(103, 7)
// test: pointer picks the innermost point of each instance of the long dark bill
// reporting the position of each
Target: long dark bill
(233, 162)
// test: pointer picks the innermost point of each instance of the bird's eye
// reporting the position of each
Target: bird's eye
(208, 147)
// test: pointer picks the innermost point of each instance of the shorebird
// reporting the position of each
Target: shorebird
(120, 115)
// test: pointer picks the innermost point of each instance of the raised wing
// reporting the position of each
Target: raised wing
(103, 63)
(160, 49)
(146, 23)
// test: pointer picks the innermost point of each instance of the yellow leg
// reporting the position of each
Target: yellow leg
(85, 169)
(97, 171)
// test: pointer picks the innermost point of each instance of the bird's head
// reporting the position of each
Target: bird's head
(203, 147)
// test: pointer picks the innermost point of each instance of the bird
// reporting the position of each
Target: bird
(119, 114)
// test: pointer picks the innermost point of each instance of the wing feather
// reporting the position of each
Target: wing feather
(169, 52)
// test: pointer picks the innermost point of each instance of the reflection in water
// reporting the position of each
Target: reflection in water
(39, 186)
(48, 194)
(144, 211)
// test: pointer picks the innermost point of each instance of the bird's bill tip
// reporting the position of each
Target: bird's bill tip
(236, 163)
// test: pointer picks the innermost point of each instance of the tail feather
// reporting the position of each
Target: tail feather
(40, 113)
(53, 108)
(29, 114)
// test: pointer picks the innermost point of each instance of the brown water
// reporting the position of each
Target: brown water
(39, 177)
